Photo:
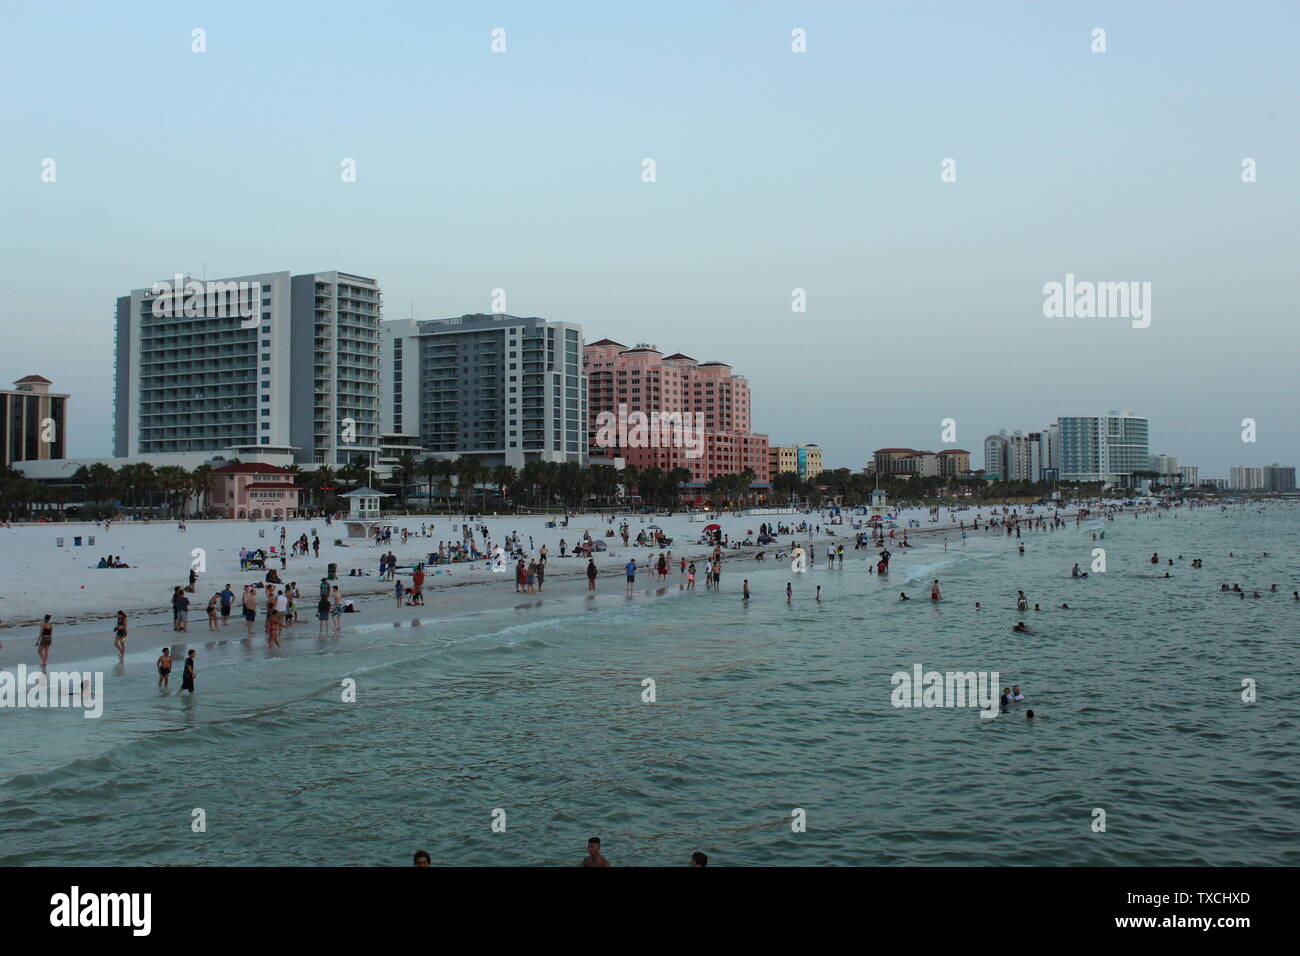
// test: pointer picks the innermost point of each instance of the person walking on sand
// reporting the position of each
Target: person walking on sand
(164, 668)
(119, 635)
(45, 640)
(187, 675)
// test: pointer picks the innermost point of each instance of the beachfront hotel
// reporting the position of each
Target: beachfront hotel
(642, 379)
(802, 460)
(270, 364)
(33, 421)
(504, 389)
(1107, 448)
(910, 462)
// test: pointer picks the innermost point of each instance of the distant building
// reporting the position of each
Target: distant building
(298, 373)
(506, 389)
(803, 460)
(953, 462)
(1187, 476)
(643, 381)
(33, 421)
(1245, 478)
(1279, 477)
(1014, 456)
(1106, 448)
(255, 491)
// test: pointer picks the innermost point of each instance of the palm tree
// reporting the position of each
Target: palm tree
(202, 477)
(430, 469)
(505, 477)
(404, 474)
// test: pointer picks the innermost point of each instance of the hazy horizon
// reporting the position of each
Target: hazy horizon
(775, 171)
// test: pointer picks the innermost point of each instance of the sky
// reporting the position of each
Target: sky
(774, 170)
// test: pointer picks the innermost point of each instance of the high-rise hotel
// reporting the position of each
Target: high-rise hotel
(504, 389)
(1108, 447)
(643, 380)
(266, 363)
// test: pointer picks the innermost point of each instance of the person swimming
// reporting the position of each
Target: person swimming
(1065, 607)
(902, 596)
(1155, 558)
(1074, 572)
(1020, 628)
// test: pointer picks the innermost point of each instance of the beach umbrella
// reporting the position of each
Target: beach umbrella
(713, 527)
(654, 527)
(599, 546)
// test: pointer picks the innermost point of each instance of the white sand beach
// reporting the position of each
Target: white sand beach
(40, 577)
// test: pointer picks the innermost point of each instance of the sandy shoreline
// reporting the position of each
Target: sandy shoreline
(85, 630)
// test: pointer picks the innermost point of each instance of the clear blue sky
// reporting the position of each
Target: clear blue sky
(775, 170)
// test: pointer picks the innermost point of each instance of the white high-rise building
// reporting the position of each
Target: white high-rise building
(260, 364)
(1245, 478)
(1107, 448)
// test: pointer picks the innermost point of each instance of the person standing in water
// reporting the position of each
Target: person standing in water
(745, 597)
(934, 590)
(119, 635)
(250, 608)
(45, 640)
(164, 668)
(187, 675)
(591, 574)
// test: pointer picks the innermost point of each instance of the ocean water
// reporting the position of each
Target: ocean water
(536, 709)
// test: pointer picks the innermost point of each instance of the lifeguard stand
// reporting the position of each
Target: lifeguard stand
(363, 511)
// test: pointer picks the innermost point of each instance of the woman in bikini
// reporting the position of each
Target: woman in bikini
(119, 634)
(45, 640)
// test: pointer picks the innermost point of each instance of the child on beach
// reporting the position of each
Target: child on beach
(164, 667)
(398, 590)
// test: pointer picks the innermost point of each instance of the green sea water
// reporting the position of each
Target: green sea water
(535, 716)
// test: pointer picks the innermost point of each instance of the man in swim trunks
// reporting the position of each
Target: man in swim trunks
(164, 667)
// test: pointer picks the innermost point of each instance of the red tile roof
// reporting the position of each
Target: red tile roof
(252, 468)
(606, 342)
(903, 451)
(32, 379)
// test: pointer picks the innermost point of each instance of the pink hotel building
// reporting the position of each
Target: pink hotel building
(642, 379)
